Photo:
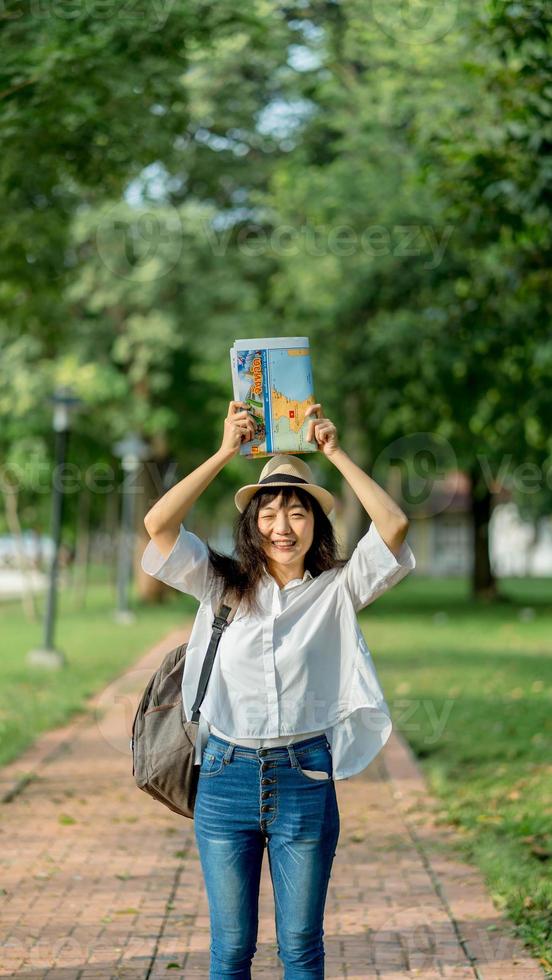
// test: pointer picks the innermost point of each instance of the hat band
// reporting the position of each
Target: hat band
(285, 478)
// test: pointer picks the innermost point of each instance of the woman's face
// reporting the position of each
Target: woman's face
(290, 523)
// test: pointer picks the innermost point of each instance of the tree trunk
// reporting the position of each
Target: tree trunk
(82, 551)
(111, 527)
(353, 516)
(151, 484)
(483, 581)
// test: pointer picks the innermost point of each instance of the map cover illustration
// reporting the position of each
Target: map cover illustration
(273, 376)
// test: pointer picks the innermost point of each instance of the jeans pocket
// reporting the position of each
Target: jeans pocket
(212, 763)
(316, 774)
(315, 767)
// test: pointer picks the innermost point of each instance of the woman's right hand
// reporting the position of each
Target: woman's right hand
(238, 428)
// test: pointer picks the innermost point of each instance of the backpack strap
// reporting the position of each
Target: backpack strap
(220, 622)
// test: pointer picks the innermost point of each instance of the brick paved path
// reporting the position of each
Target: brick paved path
(100, 881)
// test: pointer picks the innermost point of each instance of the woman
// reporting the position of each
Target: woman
(293, 701)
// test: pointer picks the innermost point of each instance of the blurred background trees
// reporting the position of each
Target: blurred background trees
(173, 178)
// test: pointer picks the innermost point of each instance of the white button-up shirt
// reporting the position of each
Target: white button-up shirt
(300, 666)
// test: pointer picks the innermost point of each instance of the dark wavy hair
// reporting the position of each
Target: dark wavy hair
(240, 575)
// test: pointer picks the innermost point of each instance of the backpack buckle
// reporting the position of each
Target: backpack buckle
(220, 623)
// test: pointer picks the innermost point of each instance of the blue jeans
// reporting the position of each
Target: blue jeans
(247, 798)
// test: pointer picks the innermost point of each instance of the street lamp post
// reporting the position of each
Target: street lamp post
(131, 450)
(64, 402)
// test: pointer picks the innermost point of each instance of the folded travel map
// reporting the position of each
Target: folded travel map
(273, 376)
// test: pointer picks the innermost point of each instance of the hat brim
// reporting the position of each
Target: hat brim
(324, 497)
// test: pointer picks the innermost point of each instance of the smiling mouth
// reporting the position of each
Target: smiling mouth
(284, 547)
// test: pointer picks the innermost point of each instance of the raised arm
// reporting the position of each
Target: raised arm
(391, 522)
(382, 557)
(163, 520)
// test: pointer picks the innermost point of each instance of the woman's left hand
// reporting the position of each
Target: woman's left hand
(322, 430)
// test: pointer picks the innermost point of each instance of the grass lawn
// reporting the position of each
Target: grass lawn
(469, 687)
(471, 690)
(98, 649)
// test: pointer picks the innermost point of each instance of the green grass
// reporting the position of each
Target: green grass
(34, 699)
(470, 688)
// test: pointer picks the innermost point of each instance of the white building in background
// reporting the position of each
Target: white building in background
(517, 547)
(441, 537)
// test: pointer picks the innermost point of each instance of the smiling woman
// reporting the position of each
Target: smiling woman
(292, 690)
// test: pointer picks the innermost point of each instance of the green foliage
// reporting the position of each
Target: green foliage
(115, 298)
(176, 177)
(470, 691)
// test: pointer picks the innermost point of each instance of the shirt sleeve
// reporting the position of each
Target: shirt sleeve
(372, 568)
(186, 568)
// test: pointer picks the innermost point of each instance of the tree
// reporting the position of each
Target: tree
(414, 140)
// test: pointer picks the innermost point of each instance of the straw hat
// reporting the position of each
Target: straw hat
(284, 470)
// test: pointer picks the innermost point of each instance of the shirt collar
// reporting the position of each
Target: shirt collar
(268, 578)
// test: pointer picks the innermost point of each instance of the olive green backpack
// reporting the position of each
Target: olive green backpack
(163, 742)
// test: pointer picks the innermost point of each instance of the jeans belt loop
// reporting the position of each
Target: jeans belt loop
(292, 757)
